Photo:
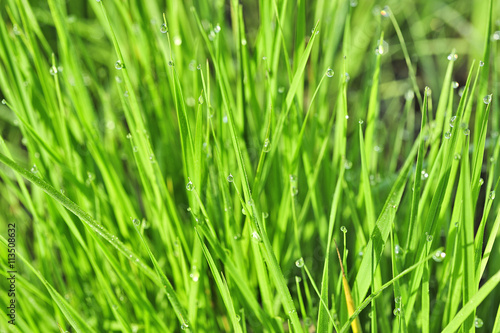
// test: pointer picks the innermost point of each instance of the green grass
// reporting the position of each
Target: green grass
(196, 166)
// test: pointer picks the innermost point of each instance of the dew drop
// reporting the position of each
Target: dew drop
(243, 42)
(452, 121)
(243, 211)
(238, 318)
(398, 249)
(171, 63)
(4, 102)
(481, 63)
(198, 67)
(397, 311)
(347, 77)
(496, 35)
(129, 136)
(487, 99)
(299, 262)
(265, 215)
(343, 229)
(163, 28)
(397, 299)
(385, 12)
(452, 56)
(439, 256)
(347, 164)
(409, 95)
(329, 72)
(256, 237)
(267, 145)
(230, 178)
(429, 238)
(307, 320)
(294, 191)
(189, 186)
(466, 131)
(195, 275)
(492, 195)
(201, 99)
(136, 222)
(53, 70)
(184, 326)
(481, 181)
(478, 322)
(361, 121)
(455, 84)
(118, 64)
(447, 135)
(457, 156)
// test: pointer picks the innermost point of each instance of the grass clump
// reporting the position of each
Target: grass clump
(259, 166)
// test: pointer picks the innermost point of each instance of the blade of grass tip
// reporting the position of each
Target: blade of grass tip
(373, 108)
(377, 293)
(80, 213)
(469, 308)
(356, 325)
(221, 285)
(322, 319)
(483, 84)
(169, 290)
(78, 323)
(415, 201)
(411, 70)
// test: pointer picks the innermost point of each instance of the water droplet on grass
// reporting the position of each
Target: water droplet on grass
(397, 299)
(385, 12)
(189, 186)
(492, 195)
(447, 135)
(343, 229)
(429, 238)
(347, 77)
(238, 318)
(481, 63)
(466, 131)
(481, 181)
(4, 102)
(119, 64)
(397, 311)
(452, 121)
(163, 28)
(230, 178)
(267, 145)
(34, 169)
(487, 99)
(243, 211)
(457, 156)
(256, 237)
(294, 191)
(439, 256)
(184, 326)
(136, 222)
(329, 72)
(398, 249)
(361, 121)
(455, 84)
(299, 262)
(171, 63)
(53, 70)
(478, 322)
(452, 56)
